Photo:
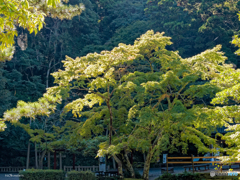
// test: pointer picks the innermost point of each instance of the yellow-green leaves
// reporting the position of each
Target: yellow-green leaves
(45, 106)
(2, 125)
(152, 41)
(208, 63)
(29, 15)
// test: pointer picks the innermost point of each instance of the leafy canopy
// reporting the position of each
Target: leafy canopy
(30, 15)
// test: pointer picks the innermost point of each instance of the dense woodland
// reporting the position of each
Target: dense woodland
(193, 25)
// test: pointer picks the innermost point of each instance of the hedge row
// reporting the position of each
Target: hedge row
(81, 175)
(36, 174)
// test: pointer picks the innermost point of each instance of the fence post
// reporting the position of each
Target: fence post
(167, 162)
(192, 164)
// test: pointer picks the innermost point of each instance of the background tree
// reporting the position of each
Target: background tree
(197, 25)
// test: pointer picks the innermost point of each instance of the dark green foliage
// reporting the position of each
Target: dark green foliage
(34, 174)
(196, 25)
(107, 178)
(81, 175)
(184, 176)
(5, 94)
(10, 148)
(128, 175)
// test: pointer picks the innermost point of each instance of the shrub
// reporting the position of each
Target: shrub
(38, 174)
(128, 175)
(81, 175)
(184, 176)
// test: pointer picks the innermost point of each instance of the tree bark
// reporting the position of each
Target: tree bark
(114, 163)
(60, 161)
(129, 165)
(120, 170)
(147, 164)
(149, 157)
(49, 160)
(28, 154)
(55, 160)
(36, 157)
(74, 158)
(110, 123)
(41, 159)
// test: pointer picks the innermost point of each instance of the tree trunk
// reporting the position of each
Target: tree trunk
(147, 164)
(28, 154)
(110, 123)
(60, 161)
(49, 160)
(36, 157)
(48, 72)
(114, 163)
(41, 159)
(129, 165)
(149, 156)
(55, 160)
(74, 158)
(120, 170)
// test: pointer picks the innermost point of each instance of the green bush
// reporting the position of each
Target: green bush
(184, 176)
(81, 175)
(38, 174)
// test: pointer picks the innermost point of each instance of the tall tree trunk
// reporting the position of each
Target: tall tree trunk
(129, 165)
(49, 160)
(28, 154)
(114, 163)
(149, 156)
(120, 170)
(48, 72)
(36, 157)
(147, 164)
(41, 159)
(110, 123)
(60, 161)
(28, 151)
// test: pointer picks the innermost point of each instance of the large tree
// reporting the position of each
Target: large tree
(151, 107)
(167, 107)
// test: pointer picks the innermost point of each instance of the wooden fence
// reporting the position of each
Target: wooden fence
(82, 168)
(11, 169)
(193, 162)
